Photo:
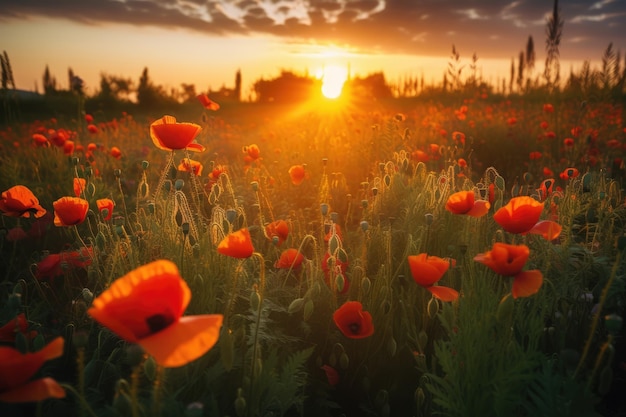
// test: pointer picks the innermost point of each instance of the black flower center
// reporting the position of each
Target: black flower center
(158, 322)
(355, 328)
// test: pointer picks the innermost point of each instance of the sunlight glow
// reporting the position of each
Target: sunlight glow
(333, 79)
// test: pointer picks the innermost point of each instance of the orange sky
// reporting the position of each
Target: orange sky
(203, 42)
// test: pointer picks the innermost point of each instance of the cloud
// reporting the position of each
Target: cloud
(488, 27)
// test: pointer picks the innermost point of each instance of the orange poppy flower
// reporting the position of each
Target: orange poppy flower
(277, 231)
(463, 202)
(519, 215)
(105, 204)
(208, 103)
(237, 244)
(353, 321)
(505, 259)
(548, 229)
(252, 153)
(16, 368)
(19, 201)
(40, 140)
(146, 307)
(93, 129)
(79, 186)
(459, 137)
(427, 270)
(169, 135)
(189, 165)
(116, 152)
(290, 258)
(56, 264)
(508, 260)
(297, 174)
(70, 211)
(68, 147)
(569, 173)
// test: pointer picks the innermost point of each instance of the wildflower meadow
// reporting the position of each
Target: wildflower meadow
(461, 255)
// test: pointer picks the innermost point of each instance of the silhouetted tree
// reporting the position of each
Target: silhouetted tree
(238, 85)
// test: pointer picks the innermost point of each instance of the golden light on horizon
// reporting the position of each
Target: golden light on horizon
(333, 78)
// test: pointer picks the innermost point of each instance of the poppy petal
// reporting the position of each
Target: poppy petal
(481, 207)
(527, 283)
(16, 367)
(184, 341)
(37, 390)
(237, 244)
(443, 293)
(547, 228)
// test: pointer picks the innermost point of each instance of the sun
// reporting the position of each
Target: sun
(333, 78)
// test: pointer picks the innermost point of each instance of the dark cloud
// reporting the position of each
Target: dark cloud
(491, 28)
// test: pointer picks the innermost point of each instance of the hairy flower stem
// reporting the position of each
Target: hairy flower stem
(156, 391)
(258, 319)
(596, 317)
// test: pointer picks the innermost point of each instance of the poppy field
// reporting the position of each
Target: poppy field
(454, 257)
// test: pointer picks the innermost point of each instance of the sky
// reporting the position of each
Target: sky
(204, 42)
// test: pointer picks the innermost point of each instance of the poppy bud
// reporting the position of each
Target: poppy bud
(195, 409)
(334, 216)
(364, 204)
(122, 401)
(433, 307)
(324, 161)
(308, 309)
(296, 305)
(324, 209)
(75, 161)
(117, 173)
(150, 368)
(151, 208)
(613, 323)
(504, 313)
(255, 299)
(374, 191)
(344, 361)
(240, 404)
(428, 218)
(254, 185)
(178, 185)
(366, 285)
(145, 165)
(340, 281)
(231, 215)
(420, 398)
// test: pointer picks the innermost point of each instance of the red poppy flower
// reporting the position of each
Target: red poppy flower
(419, 156)
(353, 321)
(237, 244)
(169, 135)
(189, 165)
(519, 215)
(146, 307)
(568, 142)
(68, 147)
(427, 270)
(19, 201)
(331, 375)
(93, 129)
(88, 118)
(40, 140)
(290, 258)
(508, 260)
(70, 211)
(57, 264)
(548, 108)
(535, 155)
(92, 147)
(16, 368)
(116, 153)
(462, 202)
(277, 231)
(19, 324)
(569, 173)
(335, 230)
(297, 174)
(548, 229)
(15, 234)
(544, 125)
(208, 103)
(512, 121)
(105, 204)
(338, 268)
(79, 186)
(252, 153)
(459, 137)
(59, 137)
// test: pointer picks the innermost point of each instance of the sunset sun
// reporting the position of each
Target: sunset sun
(333, 78)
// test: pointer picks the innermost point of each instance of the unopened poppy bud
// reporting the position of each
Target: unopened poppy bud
(364, 204)
(151, 208)
(117, 173)
(255, 299)
(87, 295)
(88, 171)
(386, 306)
(387, 180)
(145, 165)
(420, 398)
(122, 403)
(254, 185)
(308, 309)
(167, 185)
(75, 161)
(15, 302)
(528, 177)
(296, 305)
(334, 216)
(344, 361)
(231, 215)
(340, 282)
(364, 225)
(504, 313)
(428, 218)
(324, 209)
(366, 284)
(240, 405)
(178, 185)
(374, 191)
(195, 409)
(185, 228)
(150, 368)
